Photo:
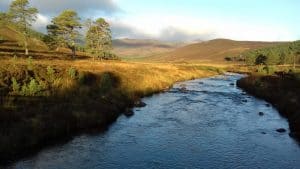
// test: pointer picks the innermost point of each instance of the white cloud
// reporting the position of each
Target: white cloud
(166, 28)
(187, 28)
(56, 6)
(41, 22)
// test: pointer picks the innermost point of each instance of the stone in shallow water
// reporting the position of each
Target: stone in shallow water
(140, 104)
(183, 89)
(281, 130)
(261, 113)
(244, 100)
(128, 112)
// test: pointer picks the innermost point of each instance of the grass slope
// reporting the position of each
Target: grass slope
(14, 39)
(211, 51)
(11, 45)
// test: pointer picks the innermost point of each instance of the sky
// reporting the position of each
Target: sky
(183, 20)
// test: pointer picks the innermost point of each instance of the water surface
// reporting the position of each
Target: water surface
(212, 125)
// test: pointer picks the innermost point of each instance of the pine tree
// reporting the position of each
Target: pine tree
(65, 29)
(23, 15)
(98, 38)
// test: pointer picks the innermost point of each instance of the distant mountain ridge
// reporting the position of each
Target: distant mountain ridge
(211, 51)
(141, 48)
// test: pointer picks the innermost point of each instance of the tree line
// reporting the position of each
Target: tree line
(64, 30)
(283, 54)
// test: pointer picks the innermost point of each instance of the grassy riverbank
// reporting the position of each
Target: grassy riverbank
(282, 90)
(45, 101)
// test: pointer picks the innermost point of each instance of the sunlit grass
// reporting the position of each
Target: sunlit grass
(136, 78)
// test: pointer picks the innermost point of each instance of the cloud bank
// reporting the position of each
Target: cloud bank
(50, 7)
(160, 26)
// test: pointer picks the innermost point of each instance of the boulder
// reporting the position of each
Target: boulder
(261, 113)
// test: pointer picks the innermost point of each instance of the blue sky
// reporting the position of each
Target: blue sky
(185, 20)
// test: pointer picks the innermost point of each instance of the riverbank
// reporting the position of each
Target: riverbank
(43, 102)
(282, 90)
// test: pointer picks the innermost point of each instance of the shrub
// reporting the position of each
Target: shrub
(32, 89)
(72, 73)
(261, 59)
(261, 69)
(50, 73)
(228, 59)
(266, 70)
(15, 85)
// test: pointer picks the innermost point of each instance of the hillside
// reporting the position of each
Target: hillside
(129, 49)
(211, 51)
(11, 45)
(13, 38)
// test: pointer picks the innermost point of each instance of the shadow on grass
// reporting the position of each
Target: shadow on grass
(29, 123)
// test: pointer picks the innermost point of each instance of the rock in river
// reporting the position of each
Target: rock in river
(128, 112)
(140, 104)
(281, 130)
(261, 113)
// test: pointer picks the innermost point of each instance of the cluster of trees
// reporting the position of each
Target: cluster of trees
(276, 55)
(64, 30)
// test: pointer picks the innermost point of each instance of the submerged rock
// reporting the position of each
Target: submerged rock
(183, 89)
(281, 130)
(268, 105)
(244, 100)
(261, 113)
(128, 112)
(232, 84)
(263, 132)
(140, 104)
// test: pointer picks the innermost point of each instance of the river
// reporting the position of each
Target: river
(213, 125)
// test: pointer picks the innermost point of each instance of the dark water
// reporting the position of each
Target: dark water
(210, 126)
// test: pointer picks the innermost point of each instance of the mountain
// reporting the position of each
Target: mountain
(140, 48)
(211, 51)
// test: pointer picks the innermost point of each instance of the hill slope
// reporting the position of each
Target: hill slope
(11, 45)
(140, 48)
(13, 38)
(211, 51)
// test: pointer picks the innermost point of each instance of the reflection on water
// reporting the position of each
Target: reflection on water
(212, 125)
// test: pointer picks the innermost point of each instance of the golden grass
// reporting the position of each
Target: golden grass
(142, 78)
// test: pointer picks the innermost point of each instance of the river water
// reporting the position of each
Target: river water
(212, 125)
